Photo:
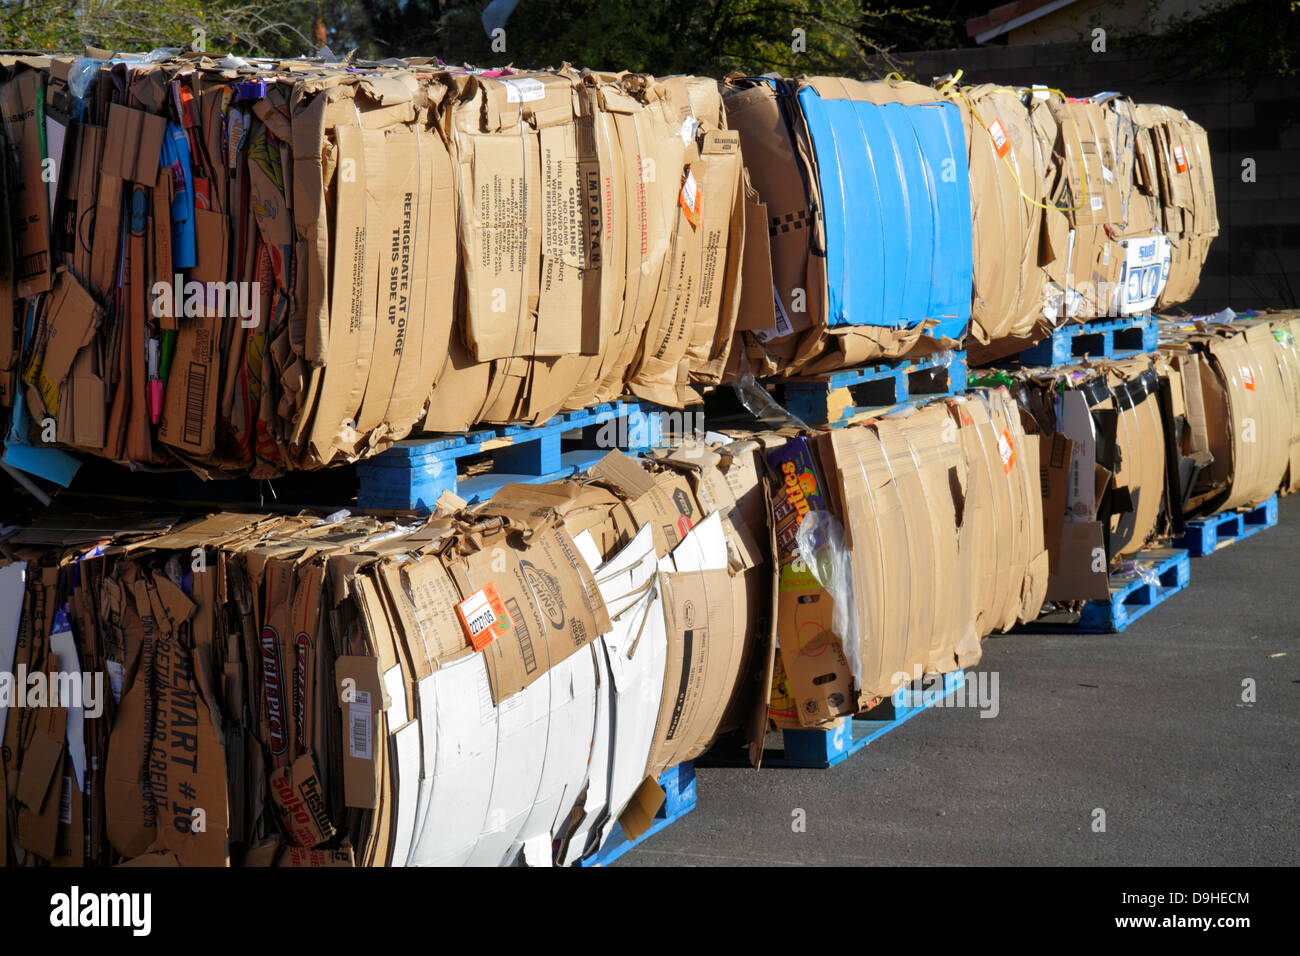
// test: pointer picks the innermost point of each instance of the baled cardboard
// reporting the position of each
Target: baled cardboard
(28, 201)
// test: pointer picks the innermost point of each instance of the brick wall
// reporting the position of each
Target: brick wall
(1255, 261)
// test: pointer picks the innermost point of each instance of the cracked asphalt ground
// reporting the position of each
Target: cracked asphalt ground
(1148, 726)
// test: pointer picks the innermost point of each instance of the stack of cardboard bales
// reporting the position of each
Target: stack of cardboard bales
(868, 521)
(252, 267)
(484, 686)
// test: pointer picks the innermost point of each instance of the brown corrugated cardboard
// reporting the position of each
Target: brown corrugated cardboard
(28, 200)
(550, 600)
(665, 502)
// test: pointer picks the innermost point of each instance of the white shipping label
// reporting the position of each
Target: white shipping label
(116, 673)
(690, 190)
(1096, 203)
(998, 133)
(478, 612)
(689, 126)
(783, 324)
(1005, 451)
(524, 90)
(360, 726)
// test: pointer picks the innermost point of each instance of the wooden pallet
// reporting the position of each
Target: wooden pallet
(679, 790)
(1107, 338)
(834, 398)
(475, 465)
(1202, 536)
(817, 749)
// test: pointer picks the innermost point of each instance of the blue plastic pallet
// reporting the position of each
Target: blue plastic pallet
(679, 790)
(413, 473)
(1132, 594)
(1109, 338)
(826, 748)
(1203, 536)
(835, 398)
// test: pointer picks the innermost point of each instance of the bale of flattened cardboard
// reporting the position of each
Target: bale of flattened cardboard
(1118, 221)
(601, 231)
(1187, 212)
(853, 272)
(287, 264)
(869, 521)
(1008, 170)
(474, 688)
(1101, 430)
(1245, 379)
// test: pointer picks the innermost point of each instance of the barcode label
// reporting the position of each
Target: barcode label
(524, 91)
(526, 649)
(196, 394)
(1096, 203)
(783, 324)
(65, 801)
(360, 726)
(32, 265)
(481, 617)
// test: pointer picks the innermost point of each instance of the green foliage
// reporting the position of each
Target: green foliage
(711, 37)
(254, 27)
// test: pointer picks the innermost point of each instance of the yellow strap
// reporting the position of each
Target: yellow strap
(949, 89)
(956, 77)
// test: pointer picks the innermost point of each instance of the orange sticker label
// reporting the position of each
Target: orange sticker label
(1180, 159)
(1006, 451)
(483, 615)
(1248, 377)
(689, 199)
(1001, 141)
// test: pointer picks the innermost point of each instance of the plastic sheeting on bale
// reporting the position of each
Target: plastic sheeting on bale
(895, 191)
(867, 193)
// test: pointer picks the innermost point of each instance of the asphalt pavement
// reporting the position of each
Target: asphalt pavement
(1138, 748)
